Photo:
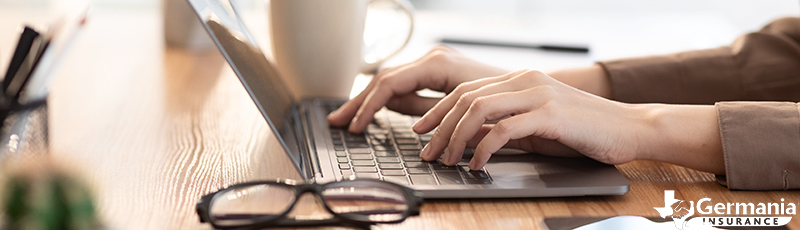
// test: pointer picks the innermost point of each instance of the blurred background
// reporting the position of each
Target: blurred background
(744, 14)
(610, 28)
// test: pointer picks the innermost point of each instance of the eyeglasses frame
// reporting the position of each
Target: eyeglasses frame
(413, 201)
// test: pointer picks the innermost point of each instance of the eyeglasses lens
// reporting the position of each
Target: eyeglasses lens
(373, 202)
(251, 204)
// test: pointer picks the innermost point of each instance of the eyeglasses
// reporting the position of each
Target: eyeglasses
(264, 204)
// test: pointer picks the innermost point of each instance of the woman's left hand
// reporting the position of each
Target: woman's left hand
(536, 113)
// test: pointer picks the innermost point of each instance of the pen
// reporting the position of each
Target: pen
(548, 47)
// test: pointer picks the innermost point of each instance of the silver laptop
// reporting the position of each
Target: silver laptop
(388, 150)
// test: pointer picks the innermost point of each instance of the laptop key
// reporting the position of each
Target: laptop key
(403, 131)
(475, 175)
(344, 166)
(338, 147)
(478, 181)
(375, 129)
(397, 179)
(357, 145)
(359, 151)
(422, 179)
(407, 141)
(379, 137)
(393, 172)
(388, 160)
(408, 147)
(385, 153)
(368, 175)
(347, 173)
(341, 153)
(410, 135)
(381, 142)
(409, 153)
(361, 157)
(354, 140)
(390, 166)
(363, 163)
(416, 165)
(365, 169)
(342, 159)
(412, 158)
(383, 148)
(441, 167)
(418, 171)
(449, 178)
(425, 137)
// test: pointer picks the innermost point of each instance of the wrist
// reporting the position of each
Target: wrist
(685, 135)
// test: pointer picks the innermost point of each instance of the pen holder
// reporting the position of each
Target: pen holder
(24, 130)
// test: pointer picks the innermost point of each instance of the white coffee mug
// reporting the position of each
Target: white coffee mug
(318, 45)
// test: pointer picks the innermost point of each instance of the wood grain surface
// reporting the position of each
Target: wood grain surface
(152, 129)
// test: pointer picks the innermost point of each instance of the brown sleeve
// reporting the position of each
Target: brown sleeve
(761, 140)
(760, 66)
(761, 144)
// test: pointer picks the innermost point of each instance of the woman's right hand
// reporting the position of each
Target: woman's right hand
(441, 69)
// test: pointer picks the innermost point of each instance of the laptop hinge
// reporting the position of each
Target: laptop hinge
(308, 137)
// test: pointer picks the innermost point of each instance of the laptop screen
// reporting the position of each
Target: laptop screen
(261, 80)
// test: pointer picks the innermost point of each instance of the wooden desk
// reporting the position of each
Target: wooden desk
(153, 129)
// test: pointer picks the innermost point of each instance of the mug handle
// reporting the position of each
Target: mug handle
(405, 5)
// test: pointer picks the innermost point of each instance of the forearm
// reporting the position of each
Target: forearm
(760, 66)
(685, 135)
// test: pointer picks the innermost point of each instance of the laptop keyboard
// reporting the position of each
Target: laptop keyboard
(389, 150)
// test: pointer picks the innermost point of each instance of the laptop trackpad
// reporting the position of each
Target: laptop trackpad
(535, 170)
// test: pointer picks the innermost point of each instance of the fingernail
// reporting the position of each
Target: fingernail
(351, 127)
(418, 124)
(472, 164)
(333, 114)
(446, 156)
(425, 152)
(453, 160)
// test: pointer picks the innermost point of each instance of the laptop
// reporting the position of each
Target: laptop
(388, 150)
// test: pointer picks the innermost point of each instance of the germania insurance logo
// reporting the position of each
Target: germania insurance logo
(735, 214)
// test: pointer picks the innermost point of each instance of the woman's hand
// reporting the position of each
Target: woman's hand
(442, 69)
(539, 114)
(535, 113)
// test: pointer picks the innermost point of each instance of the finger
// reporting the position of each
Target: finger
(440, 112)
(434, 116)
(483, 108)
(441, 140)
(515, 127)
(527, 123)
(401, 81)
(472, 143)
(411, 103)
(467, 126)
(347, 111)
(528, 143)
